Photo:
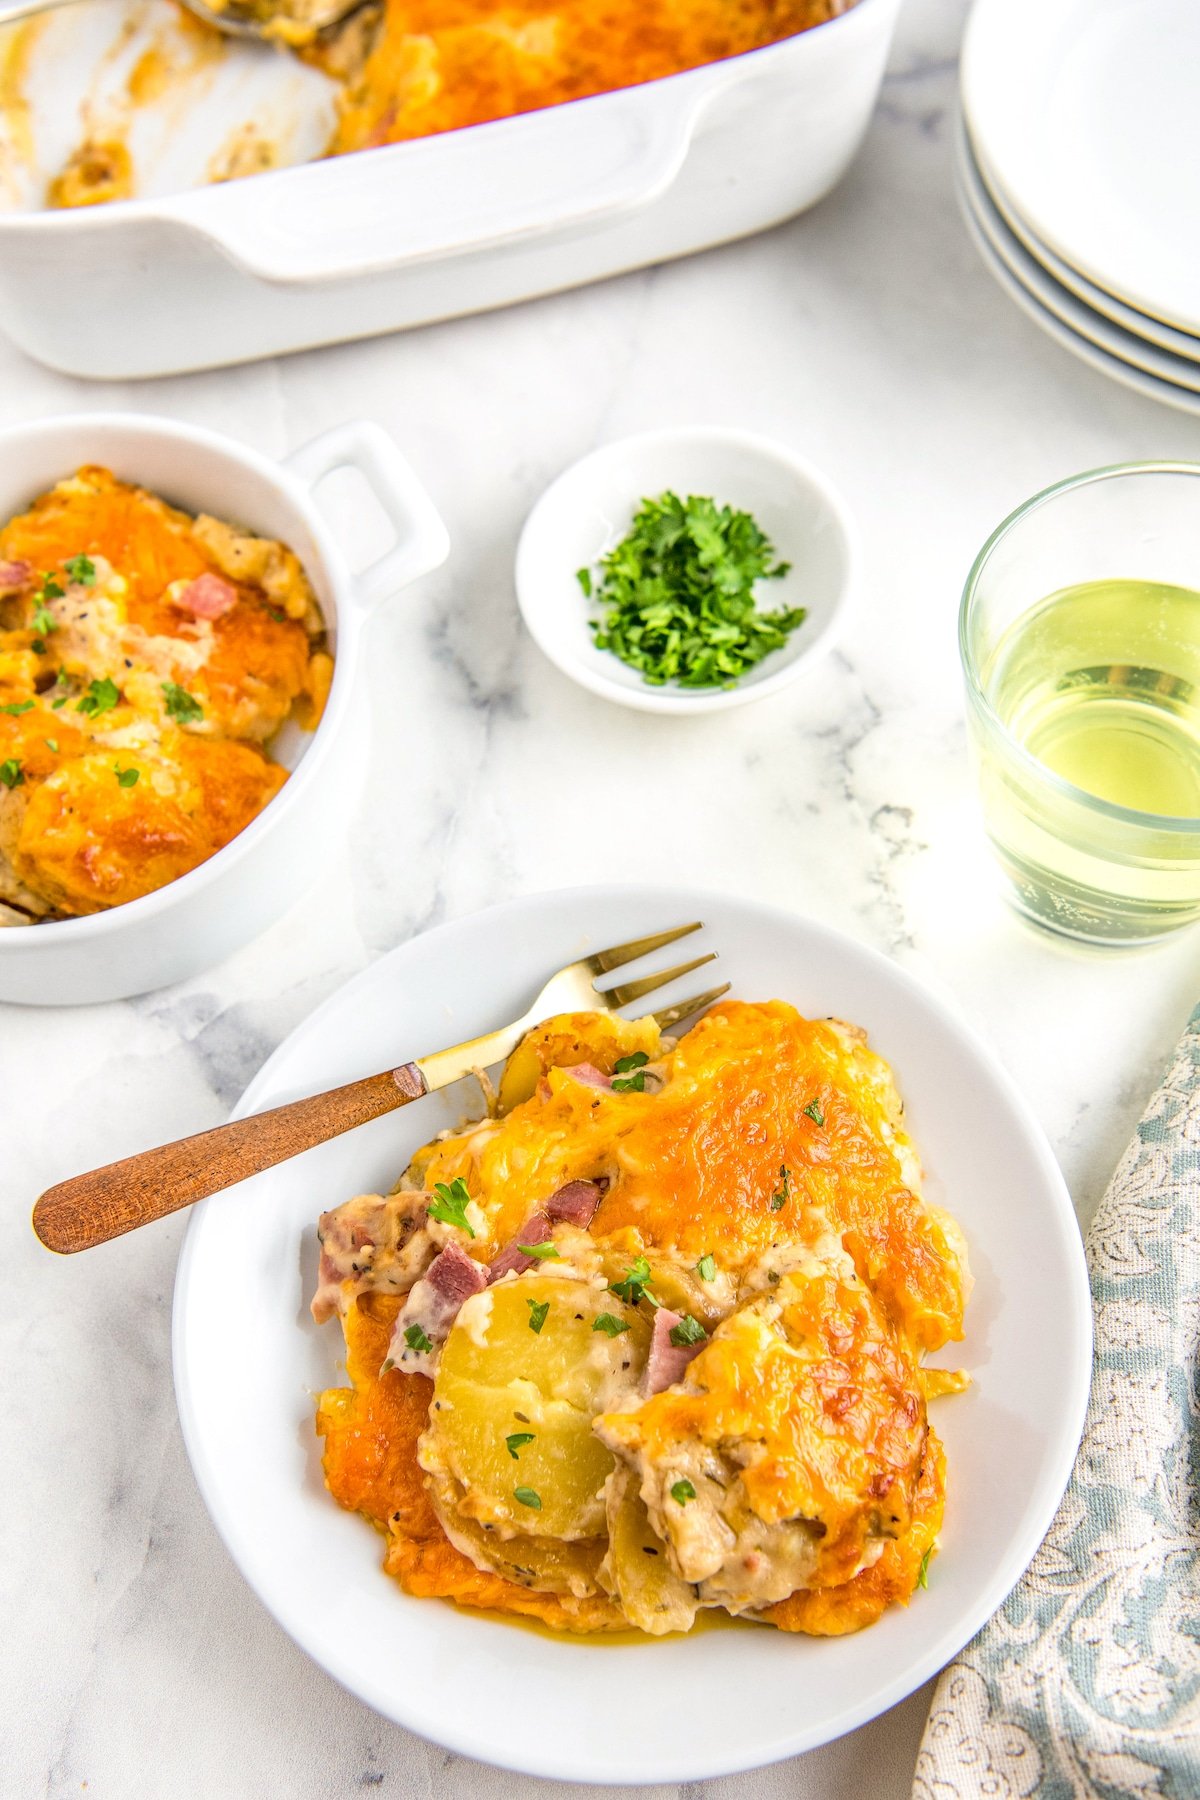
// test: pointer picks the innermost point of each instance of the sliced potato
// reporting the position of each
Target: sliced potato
(548, 1565)
(637, 1568)
(512, 1411)
(560, 1043)
(550, 1486)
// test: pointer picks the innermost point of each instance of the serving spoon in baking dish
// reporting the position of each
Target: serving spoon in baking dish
(90, 1209)
(260, 19)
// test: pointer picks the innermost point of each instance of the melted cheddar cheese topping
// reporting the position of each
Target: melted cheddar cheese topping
(414, 68)
(437, 65)
(146, 659)
(649, 1339)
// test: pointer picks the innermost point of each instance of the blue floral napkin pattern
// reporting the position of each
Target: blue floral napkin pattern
(1086, 1683)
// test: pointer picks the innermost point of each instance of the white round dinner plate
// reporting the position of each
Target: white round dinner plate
(1129, 374)
(248, 1361)
(1084, 113)
(1065, 306)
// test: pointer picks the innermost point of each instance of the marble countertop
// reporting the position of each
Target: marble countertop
(135, 1662)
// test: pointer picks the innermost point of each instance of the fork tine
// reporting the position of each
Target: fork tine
(633, 990)
(604, 960)
(671, 1015)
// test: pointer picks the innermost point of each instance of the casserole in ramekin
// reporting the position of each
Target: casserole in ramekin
(441, 226)
(204, 915)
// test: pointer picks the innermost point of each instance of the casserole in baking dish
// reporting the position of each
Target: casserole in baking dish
(427, 229)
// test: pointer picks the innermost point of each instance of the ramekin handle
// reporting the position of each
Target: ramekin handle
(422, 541)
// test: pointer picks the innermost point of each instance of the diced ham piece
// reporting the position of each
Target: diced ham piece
(574, 1204)
(14, 577)
(432, 1306)
(510, 1261)
(208, 597)
(454, 1277)
(667, 1361)
(589, 1074)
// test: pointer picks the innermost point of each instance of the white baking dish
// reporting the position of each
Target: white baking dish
(195, 921)
(442, 226)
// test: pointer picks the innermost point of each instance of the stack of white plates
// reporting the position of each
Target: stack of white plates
(1079, 174)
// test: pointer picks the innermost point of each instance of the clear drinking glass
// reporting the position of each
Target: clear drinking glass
(1079, 634)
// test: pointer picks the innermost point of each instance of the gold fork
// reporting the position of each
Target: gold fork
(90, 1209)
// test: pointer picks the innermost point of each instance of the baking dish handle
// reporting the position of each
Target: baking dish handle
(507, 182)
(422, 542)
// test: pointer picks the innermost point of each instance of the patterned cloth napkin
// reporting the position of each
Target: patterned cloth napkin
(1087, 1681)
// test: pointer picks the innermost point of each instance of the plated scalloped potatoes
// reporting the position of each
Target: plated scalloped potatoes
(649, 1340)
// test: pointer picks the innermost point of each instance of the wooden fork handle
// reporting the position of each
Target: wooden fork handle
(90, 1209)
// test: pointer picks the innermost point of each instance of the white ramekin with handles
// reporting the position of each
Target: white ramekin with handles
(203, 916)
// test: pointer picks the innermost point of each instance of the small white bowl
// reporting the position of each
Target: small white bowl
(179, 929)
(591, 506)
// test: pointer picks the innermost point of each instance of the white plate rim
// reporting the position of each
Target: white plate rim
(987, 18)
(1150, 387)
(1058, 299)
(695, 902)
(1185, 344)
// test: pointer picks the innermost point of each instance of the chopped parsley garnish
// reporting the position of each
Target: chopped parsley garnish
(630, 1084)
(515, 1440)
(540, 1252)
(450, 1204)
(81, 569)
(706, 1269)
(16, 707)
(101, 697)
(183, 707)
(677, 594)
(51, 744)
(923, 1571)
(38, 646)
(637, 1059)
(56, 705)
(11, 773)
(416, 1339)
(126, 778)
(537, 1313)
(813, 1109)
(682, 1492)
(274, 613)
(635, 1284)
(784, 1189)
(610, 1324)
(44, 621)
(528, 1497)
(688, 1331)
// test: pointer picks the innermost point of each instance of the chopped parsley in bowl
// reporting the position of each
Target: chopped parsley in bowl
(687, 570)
(677, 594)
